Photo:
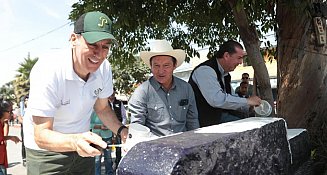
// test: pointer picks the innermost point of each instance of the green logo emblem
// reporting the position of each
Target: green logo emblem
(103, 21)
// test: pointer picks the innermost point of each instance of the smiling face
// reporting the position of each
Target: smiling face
(87, 57)
(162, 67)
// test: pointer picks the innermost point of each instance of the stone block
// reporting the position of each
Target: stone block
(250, 146)
(300, 147)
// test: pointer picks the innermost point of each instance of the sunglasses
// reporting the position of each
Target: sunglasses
(245, 77)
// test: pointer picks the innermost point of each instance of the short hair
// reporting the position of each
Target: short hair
(243, 82)
(228, 46)
(246, 74)
(4, 105)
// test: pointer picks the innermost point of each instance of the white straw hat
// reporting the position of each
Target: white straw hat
(162, 47)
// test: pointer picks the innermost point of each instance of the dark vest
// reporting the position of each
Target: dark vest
(117, 108)
(209, 115)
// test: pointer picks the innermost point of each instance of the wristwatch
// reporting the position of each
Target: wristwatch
(119, 130)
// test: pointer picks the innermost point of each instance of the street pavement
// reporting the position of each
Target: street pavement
(14, 152)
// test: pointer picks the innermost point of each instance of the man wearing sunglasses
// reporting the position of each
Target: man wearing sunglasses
(246, 79)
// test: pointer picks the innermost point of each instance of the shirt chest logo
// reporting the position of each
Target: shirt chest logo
(65, 102)
(97, 91)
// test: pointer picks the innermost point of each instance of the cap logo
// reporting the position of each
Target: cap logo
(103, 21)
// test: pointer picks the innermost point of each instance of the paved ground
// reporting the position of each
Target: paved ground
(14, 154)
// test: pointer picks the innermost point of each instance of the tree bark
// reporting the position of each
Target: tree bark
(302, 64)
(251, 42)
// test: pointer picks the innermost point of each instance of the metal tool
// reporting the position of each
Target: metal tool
(108, 146)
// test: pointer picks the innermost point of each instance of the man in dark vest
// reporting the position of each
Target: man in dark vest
(211, 84)
(120, 111)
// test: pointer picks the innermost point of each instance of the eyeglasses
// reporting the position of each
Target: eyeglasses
(245, 77)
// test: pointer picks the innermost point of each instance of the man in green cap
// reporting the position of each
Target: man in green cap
(63, 94)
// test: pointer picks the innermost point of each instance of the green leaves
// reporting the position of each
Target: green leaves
(185, 24)
(21, 83)
(127, 77)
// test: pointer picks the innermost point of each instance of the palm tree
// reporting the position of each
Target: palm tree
(21, 82)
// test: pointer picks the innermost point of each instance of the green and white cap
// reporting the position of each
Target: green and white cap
(94, 27)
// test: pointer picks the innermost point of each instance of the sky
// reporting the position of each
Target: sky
(35, 27)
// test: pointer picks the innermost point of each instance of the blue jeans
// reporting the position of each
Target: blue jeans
(3, 170)
(107, 160)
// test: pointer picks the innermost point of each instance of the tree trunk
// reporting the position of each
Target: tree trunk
(251, 42)
(302, 64)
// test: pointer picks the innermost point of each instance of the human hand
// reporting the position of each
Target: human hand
(113, 139)
(83, 147)
(254, 101)
(14, 139)
(123, 135)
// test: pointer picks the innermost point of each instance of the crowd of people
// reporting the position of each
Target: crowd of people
(72, 113)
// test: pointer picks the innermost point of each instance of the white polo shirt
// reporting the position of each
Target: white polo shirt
(57, 91)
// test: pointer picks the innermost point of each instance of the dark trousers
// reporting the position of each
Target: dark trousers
(118, 151)
(67, 163)
(23, 146)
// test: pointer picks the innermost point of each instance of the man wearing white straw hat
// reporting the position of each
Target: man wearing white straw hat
(164, 103)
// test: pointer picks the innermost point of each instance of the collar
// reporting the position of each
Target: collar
(156, 85)
(69, 70)
(221, 69)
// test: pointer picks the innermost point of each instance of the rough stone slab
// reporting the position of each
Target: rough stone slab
(300, 147)
(249, 146)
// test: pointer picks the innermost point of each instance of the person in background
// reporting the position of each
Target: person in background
(211, 80)
(99, 128)
(23, 106)
(6, 122)
(164, 103)
(63, 94)
(5, 114)
(16, 113)
(245, 78)
(243, 90)
(120, 111)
